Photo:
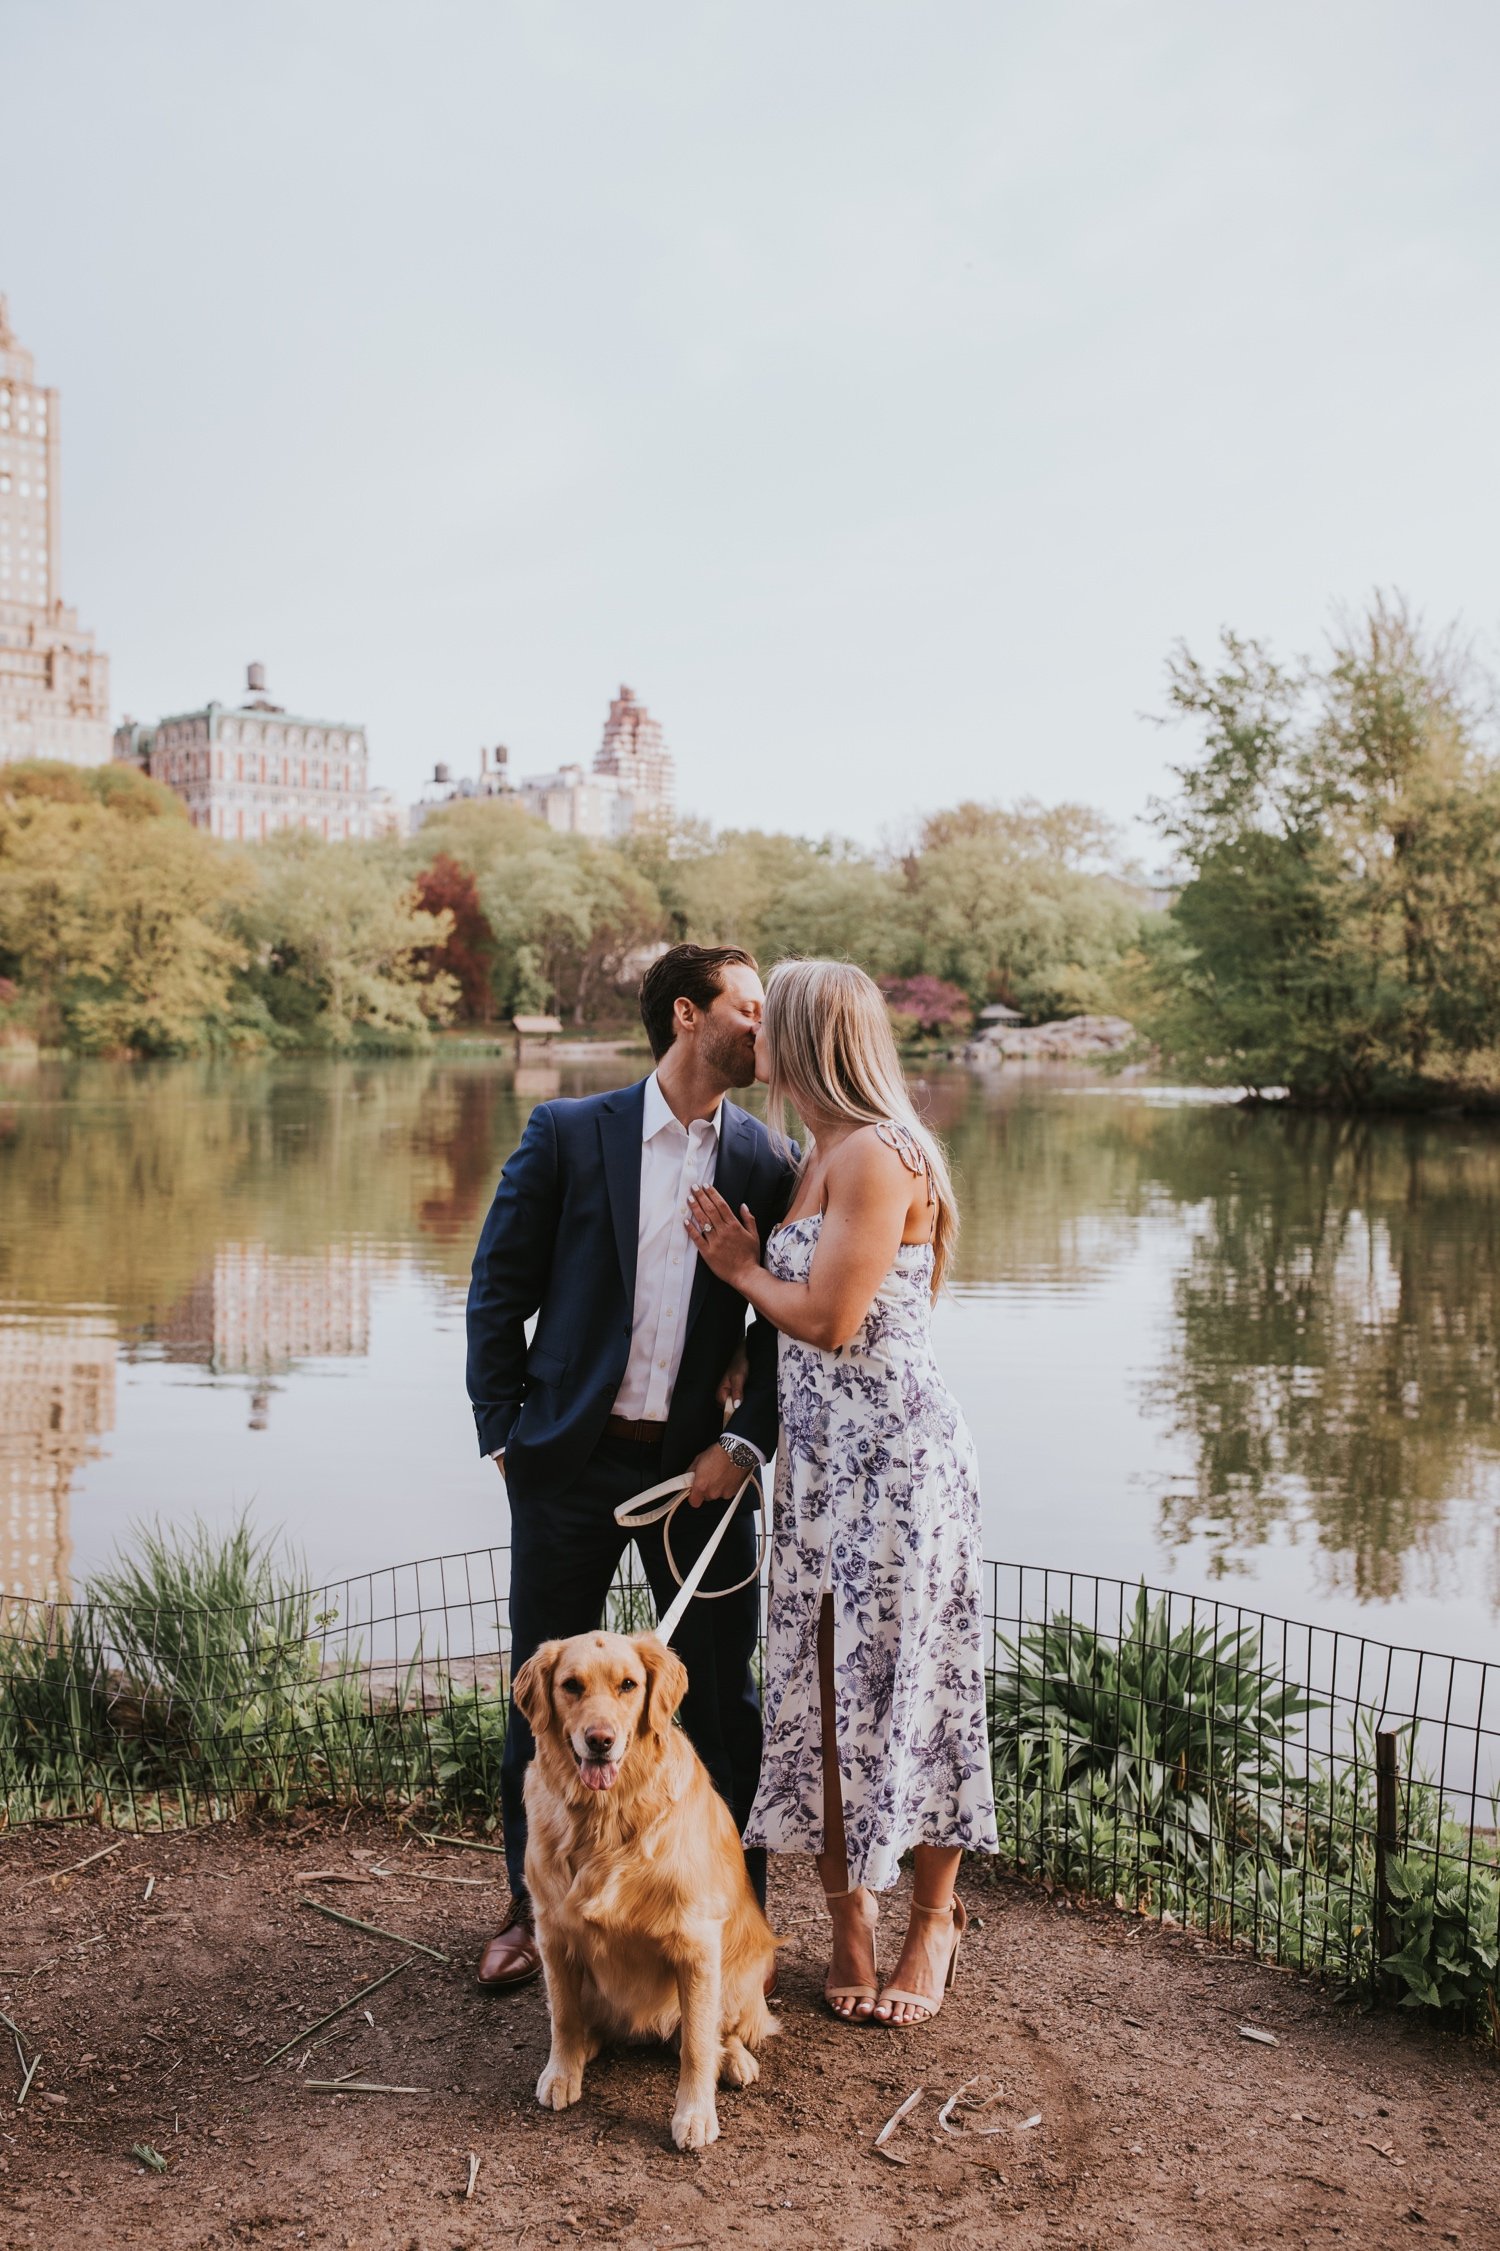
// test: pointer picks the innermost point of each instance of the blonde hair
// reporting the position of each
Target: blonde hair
(833, 1053)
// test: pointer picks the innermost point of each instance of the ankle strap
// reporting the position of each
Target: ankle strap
(946, 1910)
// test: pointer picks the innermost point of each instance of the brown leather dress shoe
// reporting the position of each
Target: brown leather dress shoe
(512, 1956)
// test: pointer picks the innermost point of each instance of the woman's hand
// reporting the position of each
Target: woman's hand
(728, 1247)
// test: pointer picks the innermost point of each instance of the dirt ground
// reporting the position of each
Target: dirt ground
(1159, 2122)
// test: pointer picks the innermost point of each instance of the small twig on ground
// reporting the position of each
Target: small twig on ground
(150, 1888)
(308, 2030)
(459, 1844)
(971, 2110)
(50, 1875)
(358, 2087)
(28, 2073)
(338, 1876)
(896, 2116)
(376, 1931)
(473, 2176)
(419, 1876)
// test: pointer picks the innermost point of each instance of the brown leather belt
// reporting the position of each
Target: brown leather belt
(638, 1433)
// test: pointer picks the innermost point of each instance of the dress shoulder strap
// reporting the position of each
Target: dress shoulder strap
(909, 1149)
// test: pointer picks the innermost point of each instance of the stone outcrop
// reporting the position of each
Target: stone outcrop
(1072, 1039)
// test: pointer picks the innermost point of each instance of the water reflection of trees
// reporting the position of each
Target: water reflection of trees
(119, 1183)
(1051, 1190)
(1334, 1359)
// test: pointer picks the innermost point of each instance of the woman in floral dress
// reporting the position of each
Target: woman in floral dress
(876, 1739)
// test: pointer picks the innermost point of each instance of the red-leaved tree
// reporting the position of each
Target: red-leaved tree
(926, 1004)
(448, 887)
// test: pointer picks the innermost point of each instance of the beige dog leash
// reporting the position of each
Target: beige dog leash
(658, 1506)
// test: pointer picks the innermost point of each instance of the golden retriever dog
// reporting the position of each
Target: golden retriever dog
(645, 1915)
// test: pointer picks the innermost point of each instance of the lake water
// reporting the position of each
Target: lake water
(1233, 1350)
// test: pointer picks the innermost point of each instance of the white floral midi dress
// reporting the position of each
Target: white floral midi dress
(877, 1505)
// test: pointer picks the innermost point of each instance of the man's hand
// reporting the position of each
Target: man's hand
(499, 1462)
(715, 1477)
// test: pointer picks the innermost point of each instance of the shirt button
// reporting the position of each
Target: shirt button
(661, 1363)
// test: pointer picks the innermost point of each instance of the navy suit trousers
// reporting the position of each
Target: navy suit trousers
(564, 1551)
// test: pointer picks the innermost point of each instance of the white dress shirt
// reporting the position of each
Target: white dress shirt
(674, 1158)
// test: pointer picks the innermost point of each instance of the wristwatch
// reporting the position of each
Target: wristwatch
(741, 1453)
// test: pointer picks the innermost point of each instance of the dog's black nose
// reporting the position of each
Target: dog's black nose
(599, 1743)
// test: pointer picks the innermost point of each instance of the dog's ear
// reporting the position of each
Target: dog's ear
(666, 1683)
(531, 1690)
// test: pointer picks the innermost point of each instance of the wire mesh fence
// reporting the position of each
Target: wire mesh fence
(1317, 1798)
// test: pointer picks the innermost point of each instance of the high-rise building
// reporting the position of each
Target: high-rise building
(634, 755)
(54, 684)
(248, 772)
(633, 781)
(580, 804)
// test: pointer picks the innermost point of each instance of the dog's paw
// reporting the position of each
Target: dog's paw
(738, 2067)
(695, 2125)
(560, 2085)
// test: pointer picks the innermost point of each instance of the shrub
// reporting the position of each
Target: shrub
(926, 1004)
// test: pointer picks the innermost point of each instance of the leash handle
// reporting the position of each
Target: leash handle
(658, 1505)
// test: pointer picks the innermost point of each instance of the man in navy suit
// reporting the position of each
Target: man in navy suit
(637, 1349)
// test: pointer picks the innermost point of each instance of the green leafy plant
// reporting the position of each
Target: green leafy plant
(1188, 1726)
(1447, 1914)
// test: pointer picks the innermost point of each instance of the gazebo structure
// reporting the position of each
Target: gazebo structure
(534, 1035)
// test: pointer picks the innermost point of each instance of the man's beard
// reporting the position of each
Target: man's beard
(731, 1054)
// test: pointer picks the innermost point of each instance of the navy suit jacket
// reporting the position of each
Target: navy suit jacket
(561, 1241)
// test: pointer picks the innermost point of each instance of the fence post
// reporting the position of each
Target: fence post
(1387, 1841)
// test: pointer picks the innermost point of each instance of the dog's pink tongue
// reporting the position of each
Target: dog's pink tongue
(600, 1774)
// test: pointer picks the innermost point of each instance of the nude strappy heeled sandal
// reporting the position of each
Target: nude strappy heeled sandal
(832, 1993)
(957, 1914)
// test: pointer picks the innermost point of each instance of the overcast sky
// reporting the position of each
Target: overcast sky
(880, 389)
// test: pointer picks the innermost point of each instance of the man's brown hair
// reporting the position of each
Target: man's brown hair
(694, 973)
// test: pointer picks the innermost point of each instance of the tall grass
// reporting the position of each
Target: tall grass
(191, 1680)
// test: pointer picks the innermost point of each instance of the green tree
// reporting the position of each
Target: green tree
(112, 913)
(565, 912)
(1338, 931)
(1003, 901)
(339, 948)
